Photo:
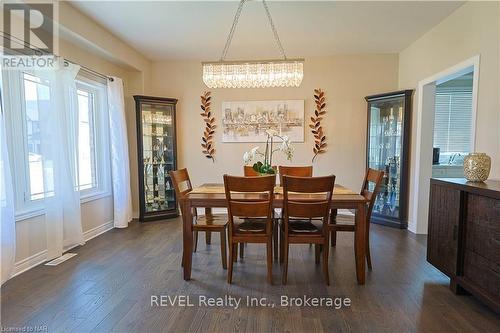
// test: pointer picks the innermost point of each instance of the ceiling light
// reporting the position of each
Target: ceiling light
(253, 74)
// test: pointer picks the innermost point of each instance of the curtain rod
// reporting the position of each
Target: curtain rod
(85, 68)
(39, 51)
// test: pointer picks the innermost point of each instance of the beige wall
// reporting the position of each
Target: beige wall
(473, 29)
(346, 81)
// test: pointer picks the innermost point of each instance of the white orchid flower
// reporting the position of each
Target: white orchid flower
(253, 152)
(246, 158)
(285, 143)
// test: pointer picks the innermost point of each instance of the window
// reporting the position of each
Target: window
(453, 119)
(87, 172)
(31, 182)
(36, 96)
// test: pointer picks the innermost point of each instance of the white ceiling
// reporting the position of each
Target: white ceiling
(167, 30)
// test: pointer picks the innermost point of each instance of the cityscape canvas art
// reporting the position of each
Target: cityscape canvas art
(248, 121)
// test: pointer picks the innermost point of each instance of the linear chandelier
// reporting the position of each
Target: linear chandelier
(253, 74)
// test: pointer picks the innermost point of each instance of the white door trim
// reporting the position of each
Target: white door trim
(419, 207)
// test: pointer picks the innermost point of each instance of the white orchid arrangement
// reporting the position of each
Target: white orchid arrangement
(265, 167)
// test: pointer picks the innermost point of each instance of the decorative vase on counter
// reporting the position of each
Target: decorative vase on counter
(477, 167)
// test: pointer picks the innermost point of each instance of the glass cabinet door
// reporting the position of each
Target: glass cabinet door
(158, 157)
(386, 148)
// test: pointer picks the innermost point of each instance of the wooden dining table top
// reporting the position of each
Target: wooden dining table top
(216, 192)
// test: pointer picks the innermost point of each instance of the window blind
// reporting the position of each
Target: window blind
(453, 119)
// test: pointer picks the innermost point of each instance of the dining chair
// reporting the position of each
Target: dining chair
(248, 171)
(209, 222)
(305, 216)
(250, 204)
(371, 186)
(296, 171)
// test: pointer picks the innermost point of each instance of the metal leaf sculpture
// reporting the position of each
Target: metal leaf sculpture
(208, 135)
(316, 128)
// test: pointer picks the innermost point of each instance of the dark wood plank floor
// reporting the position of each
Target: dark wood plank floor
(108, 287)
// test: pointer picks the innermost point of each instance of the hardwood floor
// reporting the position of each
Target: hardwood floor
(108, 287)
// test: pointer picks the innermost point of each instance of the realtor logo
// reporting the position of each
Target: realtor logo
(28, 27)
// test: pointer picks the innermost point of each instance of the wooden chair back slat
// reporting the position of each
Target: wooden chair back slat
(249, 184)
(307, 210)
(375, 177)
(182, 184)
(308, 184)
(296, 171)
(249, 209)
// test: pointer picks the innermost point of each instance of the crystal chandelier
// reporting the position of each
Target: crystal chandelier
(253, 74)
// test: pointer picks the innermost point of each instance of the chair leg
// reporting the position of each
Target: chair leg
(282, 246)
(270, 261)
(182, 260)
(333, 233)
(208, 237)
(285, 262)
(230, 261)
(195, 241)
(368, 255)
(317, 251)
(223, 251)
(275, 239)
(242, 246)
(326, 249)
(235, 252)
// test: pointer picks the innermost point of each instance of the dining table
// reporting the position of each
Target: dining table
(212, 195)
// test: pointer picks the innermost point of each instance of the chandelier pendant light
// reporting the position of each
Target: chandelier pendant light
(253, 74)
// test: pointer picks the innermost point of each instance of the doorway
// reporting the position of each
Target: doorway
(435, 127)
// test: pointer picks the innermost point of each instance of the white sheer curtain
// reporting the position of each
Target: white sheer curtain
(58, 131)
(120, 167)
(7, 222)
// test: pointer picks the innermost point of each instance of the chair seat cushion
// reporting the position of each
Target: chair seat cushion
(250, 225)
(305, 226)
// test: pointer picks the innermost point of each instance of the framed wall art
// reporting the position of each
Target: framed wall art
(248, 121)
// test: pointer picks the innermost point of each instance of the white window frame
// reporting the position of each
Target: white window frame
(101, 139)
(16, 134)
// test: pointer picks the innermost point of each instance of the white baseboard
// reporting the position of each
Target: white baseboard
(30, 262)
(40, 257)
(94, 232)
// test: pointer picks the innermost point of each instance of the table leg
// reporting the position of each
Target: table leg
(208, 234)
(360, 243)
(187, 222)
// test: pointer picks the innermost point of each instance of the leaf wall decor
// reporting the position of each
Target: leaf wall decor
(316, 128)
(207, 139)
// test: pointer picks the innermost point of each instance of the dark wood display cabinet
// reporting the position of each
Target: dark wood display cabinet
(388, 149)
(157, 155)
(464, 236)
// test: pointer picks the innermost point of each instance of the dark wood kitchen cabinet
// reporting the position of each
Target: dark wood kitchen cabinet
(464, 236)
